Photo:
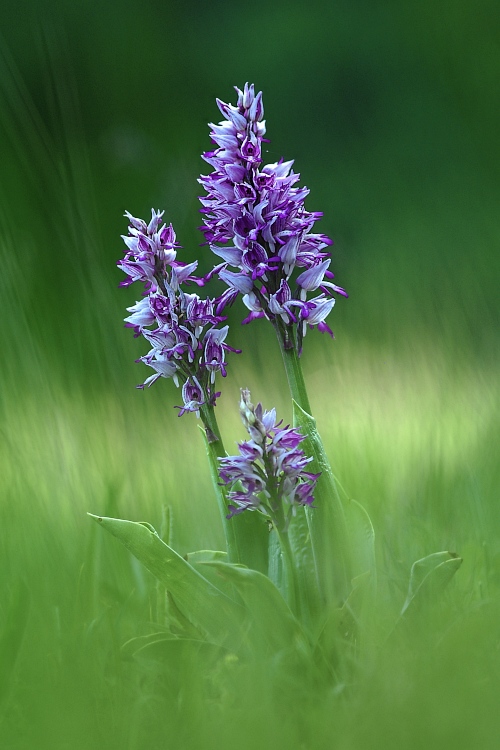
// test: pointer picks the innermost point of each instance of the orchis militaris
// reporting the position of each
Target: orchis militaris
(279, 262)
(257, 209)
(292, 585)
(187, 345)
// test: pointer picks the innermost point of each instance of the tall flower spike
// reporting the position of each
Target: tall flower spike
(187, 345)
(260, 211)
(269, 474)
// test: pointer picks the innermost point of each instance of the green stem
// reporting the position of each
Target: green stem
(293, 369)
(291, 591)
(289, 583)
(215, 450)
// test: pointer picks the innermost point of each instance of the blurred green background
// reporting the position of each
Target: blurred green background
(391, 113)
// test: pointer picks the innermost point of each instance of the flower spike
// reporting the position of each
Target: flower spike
(279, 259)
(270, 471)
(187, 345)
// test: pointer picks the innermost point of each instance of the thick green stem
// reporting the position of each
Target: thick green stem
(290, 585)
(215, 450)
(293, 370)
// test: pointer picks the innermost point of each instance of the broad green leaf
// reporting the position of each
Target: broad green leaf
(272, 621)
(310, 605)
(11, 638)
(211, 573)
(208, 608)
(327, 521)
(178, 624)
(430, 575)
(212, 556)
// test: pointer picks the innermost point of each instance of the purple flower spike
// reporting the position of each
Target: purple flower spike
(261, 212)
(270, 470)
(187, 345)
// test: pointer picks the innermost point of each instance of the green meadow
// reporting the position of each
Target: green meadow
(391, 115)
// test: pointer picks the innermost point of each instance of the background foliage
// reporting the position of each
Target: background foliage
(390, 111)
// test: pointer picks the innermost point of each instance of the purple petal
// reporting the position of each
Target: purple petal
(239, 281)
(312, 278)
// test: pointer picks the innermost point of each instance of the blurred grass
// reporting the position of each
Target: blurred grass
(389, 110)
(418, 453)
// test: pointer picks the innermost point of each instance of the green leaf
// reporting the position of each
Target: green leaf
(429, 576)
(178, 624)
(272, 623)
(219, 618)
(212, 574)
(204, 556)
(310, 605)
(327, 521)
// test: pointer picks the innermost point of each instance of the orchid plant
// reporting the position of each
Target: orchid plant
(299, 558)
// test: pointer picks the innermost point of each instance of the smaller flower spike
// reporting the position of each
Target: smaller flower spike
(257, 213)
(270, 471)
(187, 345)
